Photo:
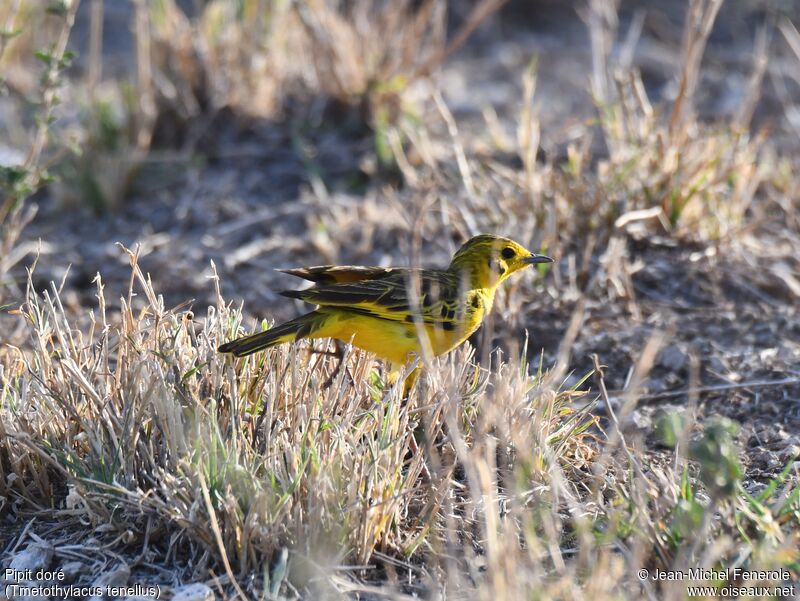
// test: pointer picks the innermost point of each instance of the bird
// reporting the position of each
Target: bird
(402, 313)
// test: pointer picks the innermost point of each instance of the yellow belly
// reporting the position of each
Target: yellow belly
(396, 341)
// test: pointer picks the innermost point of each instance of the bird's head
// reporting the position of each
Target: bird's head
(487, 260)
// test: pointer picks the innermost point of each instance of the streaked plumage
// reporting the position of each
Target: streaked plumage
(385, 310)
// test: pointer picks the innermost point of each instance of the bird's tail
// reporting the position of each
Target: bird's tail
(294, 329)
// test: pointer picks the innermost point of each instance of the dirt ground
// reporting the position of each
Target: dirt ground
(247, 206)
(729, 313)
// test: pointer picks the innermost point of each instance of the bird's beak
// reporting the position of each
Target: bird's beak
(534, 259)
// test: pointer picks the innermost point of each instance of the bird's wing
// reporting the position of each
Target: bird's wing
(340, 274)
(388, 297)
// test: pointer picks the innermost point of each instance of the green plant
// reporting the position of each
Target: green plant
(18, 182)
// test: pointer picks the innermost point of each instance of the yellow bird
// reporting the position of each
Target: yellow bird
(399, 313)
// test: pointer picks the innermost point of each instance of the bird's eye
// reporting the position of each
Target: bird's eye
(508, 253)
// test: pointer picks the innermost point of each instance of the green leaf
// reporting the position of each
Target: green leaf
(57, 8)
(193, 371)
(12, 176)
(718, 456)
(669, 426)
(10, 33)
(45, 56)
(775, 482)
(687, 492)
(66, 59)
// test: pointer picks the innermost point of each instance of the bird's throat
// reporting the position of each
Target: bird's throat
(487, 295)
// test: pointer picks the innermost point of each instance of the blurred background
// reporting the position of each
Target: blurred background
(649, 146)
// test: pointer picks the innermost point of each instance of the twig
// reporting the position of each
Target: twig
(49, 100)
(212, 517)
(51, 78)
(8, 28)
(697, 29)
(716, 388)
(480, 12)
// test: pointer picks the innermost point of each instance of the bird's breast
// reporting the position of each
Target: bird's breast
(478, 306)
(474, 307)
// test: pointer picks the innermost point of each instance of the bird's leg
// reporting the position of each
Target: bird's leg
(411, 379)
(408, 385)
(339, 352)
(414, 448)
(395, 369)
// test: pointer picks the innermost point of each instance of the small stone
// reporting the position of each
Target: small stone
(764, 334)
(716, 365)
(71, 569)
(791, 448)
(791, 452)
(768, 354)
(35, 557)
(114, 578)
(193, 592)
(640, 420)
(672, 358)
(656, 385)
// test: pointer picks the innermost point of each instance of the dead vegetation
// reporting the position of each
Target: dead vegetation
(129, 446)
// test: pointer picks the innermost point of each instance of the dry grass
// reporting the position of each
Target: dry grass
(256, 58)
(134, 425)
(491, 482)
(659, 172)
(146, 427)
